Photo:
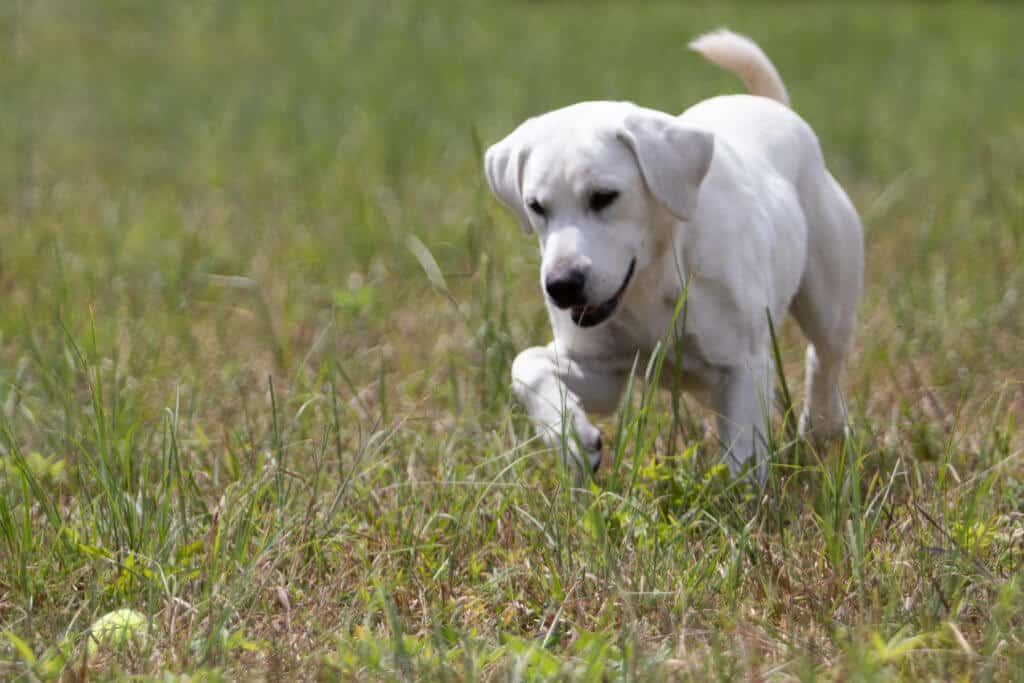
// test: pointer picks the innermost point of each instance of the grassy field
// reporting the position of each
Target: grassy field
(257, 313)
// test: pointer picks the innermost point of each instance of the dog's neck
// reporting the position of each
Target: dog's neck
(663, 280)
(651, 300)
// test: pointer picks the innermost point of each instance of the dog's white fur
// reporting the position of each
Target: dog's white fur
(732, 201)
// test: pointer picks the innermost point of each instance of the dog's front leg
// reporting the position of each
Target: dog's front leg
(557, 392)
(742, 405)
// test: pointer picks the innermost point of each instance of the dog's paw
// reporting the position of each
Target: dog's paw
(819, 431)
(577, 441)
(584, 455)
(751, 467)
(590, 442)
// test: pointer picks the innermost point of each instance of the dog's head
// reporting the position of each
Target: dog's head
(595, 180)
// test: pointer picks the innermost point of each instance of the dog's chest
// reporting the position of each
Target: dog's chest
(686, 362)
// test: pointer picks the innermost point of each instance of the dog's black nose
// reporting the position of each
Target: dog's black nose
(565, 287)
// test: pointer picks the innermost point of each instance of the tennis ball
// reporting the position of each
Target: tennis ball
(117, 628)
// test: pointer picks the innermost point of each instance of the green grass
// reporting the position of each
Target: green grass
(257, 313)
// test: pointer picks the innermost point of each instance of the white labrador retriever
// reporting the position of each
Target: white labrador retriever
(732, 201)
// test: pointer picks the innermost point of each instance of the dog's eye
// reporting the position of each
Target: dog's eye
(537, 208)
(602, 199)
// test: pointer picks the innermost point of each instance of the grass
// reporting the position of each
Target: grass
(257, 313)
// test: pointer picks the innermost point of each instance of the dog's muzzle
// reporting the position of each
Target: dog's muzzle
(589, 315)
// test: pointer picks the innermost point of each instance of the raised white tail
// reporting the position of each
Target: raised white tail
(744, 58)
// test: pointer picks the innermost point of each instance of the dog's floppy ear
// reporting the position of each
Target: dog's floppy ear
(503, 165)
(673, 158)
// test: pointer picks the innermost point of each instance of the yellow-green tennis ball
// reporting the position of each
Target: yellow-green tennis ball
(117, 628)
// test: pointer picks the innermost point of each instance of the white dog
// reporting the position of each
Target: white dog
(731, 201)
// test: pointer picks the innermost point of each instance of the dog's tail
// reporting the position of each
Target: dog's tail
(744, 58)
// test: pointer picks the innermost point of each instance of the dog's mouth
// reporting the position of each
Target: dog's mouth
(590, 315)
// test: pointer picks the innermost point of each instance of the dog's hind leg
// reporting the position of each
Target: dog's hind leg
(826, 303)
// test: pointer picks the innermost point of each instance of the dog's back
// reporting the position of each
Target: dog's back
(825, 304)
